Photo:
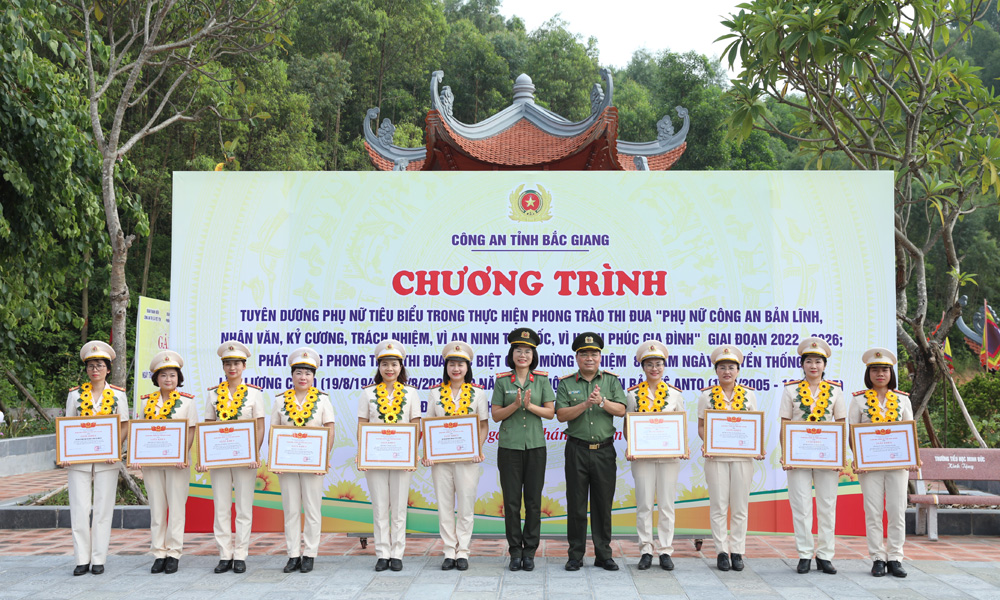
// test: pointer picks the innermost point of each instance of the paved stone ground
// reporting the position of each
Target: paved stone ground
(352, 577)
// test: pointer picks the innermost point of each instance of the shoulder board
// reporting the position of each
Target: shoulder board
(477, 386)
(368, 386)
(256, 387)
(410, 386)
(214, 387)
(280, 394)
(676, 388)
(144, 397)
(633, 387)
(507, 374)
(609, 373)
(186, 395)
(747, 387)
(115, 387)
(73, 389)
(795, 382)
(433, 386)
(322, 393)
(834, 383)
(859, 393)
(542, 373)
(705, 389)
(907, 394)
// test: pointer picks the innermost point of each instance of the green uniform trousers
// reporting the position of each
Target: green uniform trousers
(589, 473)
(522, 473)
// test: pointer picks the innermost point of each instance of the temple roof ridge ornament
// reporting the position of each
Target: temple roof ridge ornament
(525, 135)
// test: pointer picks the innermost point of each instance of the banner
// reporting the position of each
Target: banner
(152, 330)
(339, 261)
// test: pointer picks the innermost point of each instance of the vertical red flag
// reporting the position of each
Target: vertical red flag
(991, 341)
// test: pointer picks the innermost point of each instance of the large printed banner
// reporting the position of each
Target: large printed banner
(340, 261)
(152, 330)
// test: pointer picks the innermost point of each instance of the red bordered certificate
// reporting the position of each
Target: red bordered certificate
(884, 446)
(656, 435)
(813, 444)
(227, 443)
(387, 446)
(157, 443)
(738, 433)
(298, 449)
(451, 439)
(82, 440)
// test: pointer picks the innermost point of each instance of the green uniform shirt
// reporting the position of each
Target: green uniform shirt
(595, 424)
(522, 430)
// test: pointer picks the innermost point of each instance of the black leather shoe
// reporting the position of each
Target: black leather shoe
(224, 565)
(170, 565)
(826, 566)
(396, 564)
(97, 569)
(448, 564)
(608, 564)
(462, 564)
(81, 569)
(515, 564)
(573, 565)
(294, 564)
(737, 561)
(382, 564)
(804, 565)
(665, 563)
(306, 565)
(722, 562)
(239, 566)
(157, 565)
(645, 561)
(896, 568)
(878, 568)
(528, 563)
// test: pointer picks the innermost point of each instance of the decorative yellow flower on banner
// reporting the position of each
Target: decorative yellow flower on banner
(347, 490)
(491, 506)
(416, 500)
(266, 480)
(551, 508)
(697, 492)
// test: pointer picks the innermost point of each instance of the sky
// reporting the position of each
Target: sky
(623, 27)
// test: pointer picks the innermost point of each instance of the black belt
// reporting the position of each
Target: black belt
(590, 446)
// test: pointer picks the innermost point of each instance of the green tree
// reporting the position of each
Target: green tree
(326, 80)
(563, 69)
(878, 85)
(477, 76)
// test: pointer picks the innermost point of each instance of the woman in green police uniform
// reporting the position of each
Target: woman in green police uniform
(521, 399)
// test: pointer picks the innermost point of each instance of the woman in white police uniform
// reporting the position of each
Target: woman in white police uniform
(303, 406)
(813, 399)
(234, 400)
(96, 397)
(728, 478)
(881, 403)
(655, 478)
(389, 400)
(457, 395)
(167, 487)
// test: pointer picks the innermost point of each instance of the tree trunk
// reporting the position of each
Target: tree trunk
(120, 245)
(935, 442)
(17, 383)
(149, 242)
(85, 304)
(965, 413)
(130, 482)
(336, 138)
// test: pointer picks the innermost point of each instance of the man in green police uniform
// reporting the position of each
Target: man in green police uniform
(589, 400)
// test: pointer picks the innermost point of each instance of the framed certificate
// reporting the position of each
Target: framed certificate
(451, 439)
(298, 449)
(157, 443)
(385, 446)
(734, 433)
(227, 443)
(656, 435)
(813, 444)
(87, 439)
(883, 446)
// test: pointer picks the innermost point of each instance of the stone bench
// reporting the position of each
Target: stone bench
(969, 464)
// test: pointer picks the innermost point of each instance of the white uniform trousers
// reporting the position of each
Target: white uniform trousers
(729, 491)
(800, 498)
(224, 481)
(91, 537)
(886, 488)
(167, 492)
(451, 480)
(655, 479)
(302, 493)
(389, 490)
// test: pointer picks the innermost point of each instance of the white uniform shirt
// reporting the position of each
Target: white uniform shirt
(479, 406)
(184, 409)
(858, 413)
(791, 409)
(322, 413)
(253, 404)
(120, 409)
(368, 407)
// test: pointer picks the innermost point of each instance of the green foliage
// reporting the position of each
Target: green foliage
(563, 68)
(982, 399)
(477, 75)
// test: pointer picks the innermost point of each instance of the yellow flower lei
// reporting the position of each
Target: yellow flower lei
(464, 399)
(300, 416)
(389, 410)
(224, 407)
(739, 398)
(108, 400)
(819, 404)
(166, 411)
(656, 405)
(875, 413)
